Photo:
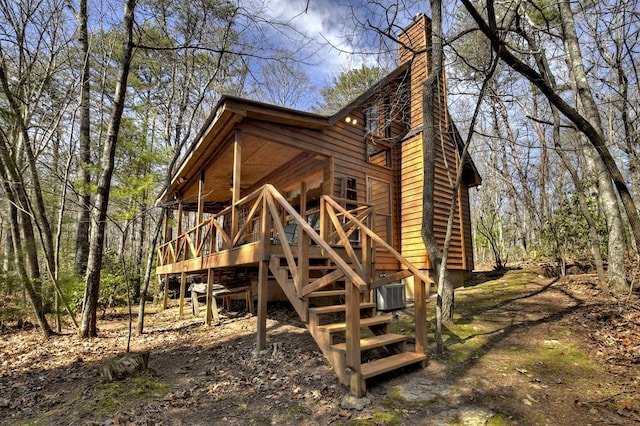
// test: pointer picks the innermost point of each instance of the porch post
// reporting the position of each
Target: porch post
(263, 276)
(237, 170)
(200, 208)
(356, 384)
(165, 232)
(179, 226)
(421, 314)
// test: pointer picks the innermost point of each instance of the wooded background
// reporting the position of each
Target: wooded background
(98, 100)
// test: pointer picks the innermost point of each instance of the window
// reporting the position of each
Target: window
(371, 120)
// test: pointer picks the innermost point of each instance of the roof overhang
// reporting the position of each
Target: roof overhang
(219, 129)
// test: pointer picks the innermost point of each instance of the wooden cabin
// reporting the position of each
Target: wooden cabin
(321, 210)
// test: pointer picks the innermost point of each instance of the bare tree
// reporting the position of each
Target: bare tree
(103, 190)
(84, 214)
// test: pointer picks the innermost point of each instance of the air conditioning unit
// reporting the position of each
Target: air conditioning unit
(390, 297)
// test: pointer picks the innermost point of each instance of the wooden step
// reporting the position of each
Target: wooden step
(327, 293)
(390, 363)
(373, 342)
(364, 322)
(330, 309)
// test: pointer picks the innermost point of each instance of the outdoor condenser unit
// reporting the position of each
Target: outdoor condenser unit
(390, 297)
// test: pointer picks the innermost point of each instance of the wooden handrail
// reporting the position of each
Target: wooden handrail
(375, 237)
(313, 235)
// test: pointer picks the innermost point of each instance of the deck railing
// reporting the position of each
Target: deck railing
(340, 226)
(241, 224)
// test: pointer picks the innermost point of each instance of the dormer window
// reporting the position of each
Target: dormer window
(371, 120)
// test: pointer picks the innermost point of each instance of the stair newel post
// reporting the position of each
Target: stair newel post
(421, 314)
(303, 244)
(367, 265)
(263, 273)
(353, 339)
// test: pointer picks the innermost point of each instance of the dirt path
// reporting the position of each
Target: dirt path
(521, 351)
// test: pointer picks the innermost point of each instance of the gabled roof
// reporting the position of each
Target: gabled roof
(230, 110)
(355, 103)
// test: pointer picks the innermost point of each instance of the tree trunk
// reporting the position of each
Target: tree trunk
(606, 191)
(31, 276)
(84, 214)
(147, 274)
(431, 94)
(99, 210)
(137, 280)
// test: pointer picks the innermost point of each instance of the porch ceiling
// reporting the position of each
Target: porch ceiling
(260, 158)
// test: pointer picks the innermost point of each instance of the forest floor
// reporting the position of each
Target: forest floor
(523, 350)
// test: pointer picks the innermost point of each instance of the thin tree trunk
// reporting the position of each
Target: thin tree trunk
(137, 283)
(99, 211)
(147, 275)
(431, 94)
(84, 214)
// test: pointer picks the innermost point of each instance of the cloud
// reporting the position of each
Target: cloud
(322, 23)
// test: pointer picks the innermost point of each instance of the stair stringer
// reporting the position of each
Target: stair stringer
(324, 340)
(288, 287)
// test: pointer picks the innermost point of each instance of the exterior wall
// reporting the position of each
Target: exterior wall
(413, 45)
(303, 166)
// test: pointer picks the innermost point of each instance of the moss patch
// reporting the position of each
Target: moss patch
(387, 418)
(107, 399)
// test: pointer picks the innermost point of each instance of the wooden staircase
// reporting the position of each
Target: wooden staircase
(328, 273)
(356, 342)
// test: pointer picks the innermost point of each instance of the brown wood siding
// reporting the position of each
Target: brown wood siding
(411, 203)
(466, 221)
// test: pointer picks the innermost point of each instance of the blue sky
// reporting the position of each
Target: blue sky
(334, 29)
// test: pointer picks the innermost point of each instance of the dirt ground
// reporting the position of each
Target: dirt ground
(522, 350)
